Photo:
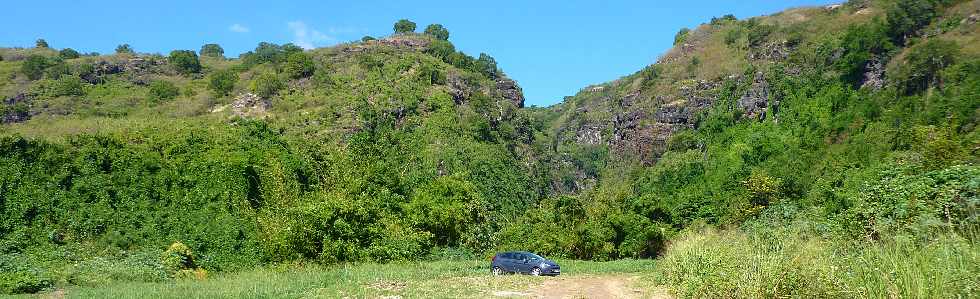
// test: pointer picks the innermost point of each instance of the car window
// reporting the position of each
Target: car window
(509, 256)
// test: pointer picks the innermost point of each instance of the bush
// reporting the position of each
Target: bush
(222, 82)
(68, 86)
(68, 53)
(162, 90)
(41, 43)
(33, 67)
(57, 70)
(404, 26)
(298, 65)
(367, 38)
(441, 49)
(906, 16)
(177, 258)
(124, 49)
(924, 63)
(681, 36)
(266, 85)
(23, 282)
(437, 31)
(212, 50)
(185, 61)
(487, 65)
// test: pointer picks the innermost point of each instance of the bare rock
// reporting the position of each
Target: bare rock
(755, 102)
(874, 78)
(16, 109)
(511, 91)
(249, 104)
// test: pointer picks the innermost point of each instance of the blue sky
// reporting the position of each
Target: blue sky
(552, 48)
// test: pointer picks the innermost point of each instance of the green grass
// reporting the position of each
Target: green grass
(789, 263)
(438, 279)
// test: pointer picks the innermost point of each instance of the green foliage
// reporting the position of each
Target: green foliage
(723, 19)
(298, 65)
(163, 90)
(861, 44)
(41, 43)
(269, 53)
(68, 53)
(184, 61)
(681, 36)
(487, 65)
(367, 38)
(266, 85)
(221, 83)
(758, 33)
(178, 257)
(34, 66)
(404, 26)
(924, 63)
(212, 50)
(436, 30)
(17, 278)
(124, 49)
(906, 16)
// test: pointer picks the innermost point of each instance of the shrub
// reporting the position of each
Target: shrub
(298, 65)
(212, 50)
(162, 90)
(487, 65)
(681, 36)
(222, 82)
(68, 53)
(758, 33)
(441, 49)
(924, 63)
(177, 258)
(22, 281)
(34, 66)
(723, 19)
(185, 61)
(266, 85)
(732, 35)
(404, 26)
(57, 70)
(367, 38)
(437, 31)
(41, 43)
(68, 86)
(906, 16)
(124, 49)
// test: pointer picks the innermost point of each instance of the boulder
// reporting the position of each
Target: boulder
(511, 91)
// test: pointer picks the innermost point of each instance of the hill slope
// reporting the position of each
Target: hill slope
(853, 123)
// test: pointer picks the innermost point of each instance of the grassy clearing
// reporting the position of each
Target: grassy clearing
(439, 279)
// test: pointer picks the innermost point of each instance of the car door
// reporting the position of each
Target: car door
(509, 262)
(522, 263)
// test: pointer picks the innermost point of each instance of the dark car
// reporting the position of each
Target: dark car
(523, 262)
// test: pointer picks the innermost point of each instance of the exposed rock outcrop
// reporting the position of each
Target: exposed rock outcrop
(15, 109)
(249, 104)
(755, 102)
(510, 90)
(874, 78)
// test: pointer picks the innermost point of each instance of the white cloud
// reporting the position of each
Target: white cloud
(238, 28)
(305, 37)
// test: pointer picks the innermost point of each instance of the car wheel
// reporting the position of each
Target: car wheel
(536, 271)
(496, 271)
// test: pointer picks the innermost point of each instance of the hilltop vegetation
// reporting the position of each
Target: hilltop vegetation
(851, 128)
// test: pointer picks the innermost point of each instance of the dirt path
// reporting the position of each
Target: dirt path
(598, 287)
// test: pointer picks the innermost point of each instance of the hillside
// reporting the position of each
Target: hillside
(820, 138)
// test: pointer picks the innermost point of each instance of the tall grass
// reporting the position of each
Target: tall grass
(786, 263)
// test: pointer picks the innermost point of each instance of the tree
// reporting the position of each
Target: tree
(924, 63)
(266, 85)
(367, 38)
(438, 31)
(404, 26)
(212, 50)
(68, 53)
(681, 35)
(441, 49)
(487, 65)
(298, 65)
(34, 66)
(161, 90)
(907, 16)
(185, 61)
(222, 82)
(41, 43)
(124, 49)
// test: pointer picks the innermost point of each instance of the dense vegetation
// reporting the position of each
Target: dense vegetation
(144, 167)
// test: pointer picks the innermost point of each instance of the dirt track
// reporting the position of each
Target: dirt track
(598, 287)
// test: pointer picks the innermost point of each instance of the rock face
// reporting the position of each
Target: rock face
(249, 104)
(771, 51)
(15, 109)
(511, 91)
(874, 78)
(755, 102)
